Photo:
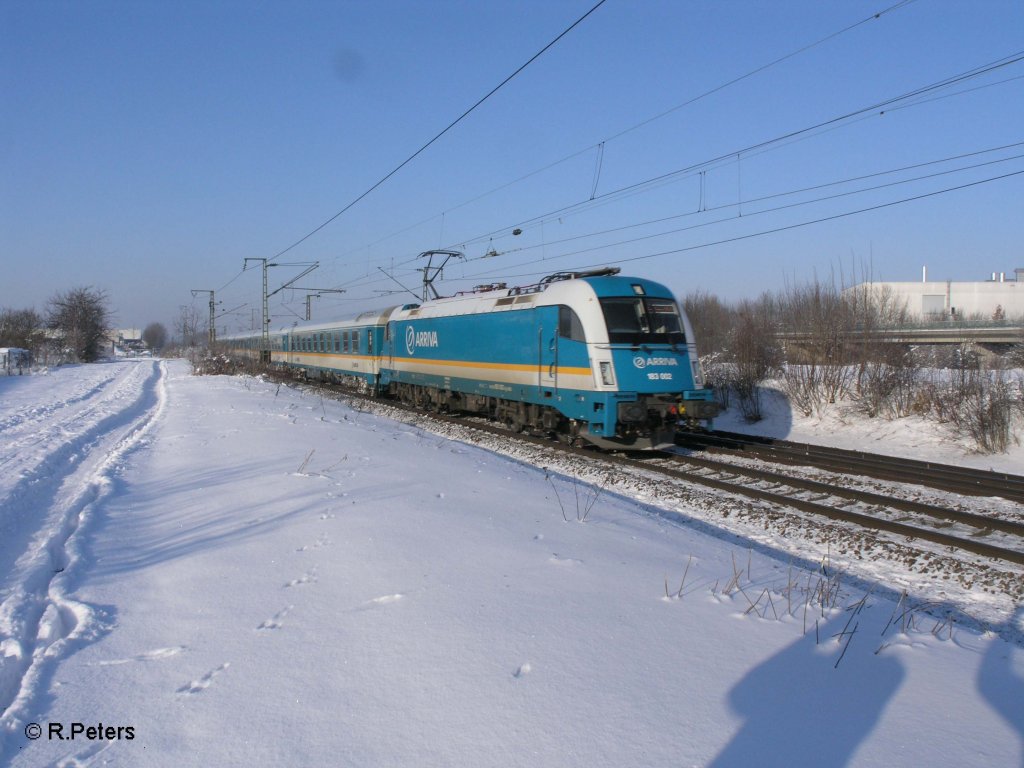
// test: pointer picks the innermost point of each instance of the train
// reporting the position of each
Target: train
(589, 357)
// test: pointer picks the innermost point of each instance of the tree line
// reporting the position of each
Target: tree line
(74, 327)
(818, 343)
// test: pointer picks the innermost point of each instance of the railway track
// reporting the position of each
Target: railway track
(913, 519)
(962, 480)
(983, 535)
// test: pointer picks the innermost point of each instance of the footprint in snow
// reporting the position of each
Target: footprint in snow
(200, 685)
(87, 756)
(378, 601)
(154, 655)
(323, 541)
(306, 578)
(557, 559)
(385, 599)
(274, 622)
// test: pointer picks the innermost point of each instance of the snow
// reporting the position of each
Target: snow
(839, 425)
(248, 574)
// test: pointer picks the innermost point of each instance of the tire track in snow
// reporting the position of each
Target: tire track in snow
(39, 622)
(59, 447)
(21, 420)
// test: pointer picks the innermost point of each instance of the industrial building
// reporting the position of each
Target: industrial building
(999, 298)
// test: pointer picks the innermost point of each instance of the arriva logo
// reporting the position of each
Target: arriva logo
(642, 362)
(415, 339)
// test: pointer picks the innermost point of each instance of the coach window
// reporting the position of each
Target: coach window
(569, 325)
(369, 341)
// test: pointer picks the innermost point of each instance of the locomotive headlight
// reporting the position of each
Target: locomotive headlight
(607, 377)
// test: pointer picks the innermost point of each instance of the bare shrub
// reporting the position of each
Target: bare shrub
(980, 403)
(887, 372)
(986, 413)
(816, 320)
(217, 362)
(755, 354)
(720, 375)
(712, 323)
(889, 386)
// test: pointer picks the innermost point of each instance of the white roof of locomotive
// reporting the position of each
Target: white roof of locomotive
(574, 293)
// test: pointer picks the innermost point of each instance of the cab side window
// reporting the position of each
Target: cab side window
(569, 324)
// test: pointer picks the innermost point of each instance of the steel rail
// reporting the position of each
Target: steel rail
(946, 477)
(944, 513)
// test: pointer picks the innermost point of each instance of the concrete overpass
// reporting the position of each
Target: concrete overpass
(997, 338)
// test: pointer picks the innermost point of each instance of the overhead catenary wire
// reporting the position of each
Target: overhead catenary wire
(601, 145)
(737, 238)
(775, 230)
(610, 197)
(750, 201)
(880, 107)
(548, 259)
(451, 125)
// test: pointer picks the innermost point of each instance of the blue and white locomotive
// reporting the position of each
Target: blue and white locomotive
(588, 356)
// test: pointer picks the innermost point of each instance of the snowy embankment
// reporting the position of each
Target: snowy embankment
(245, 574)
(841, 425)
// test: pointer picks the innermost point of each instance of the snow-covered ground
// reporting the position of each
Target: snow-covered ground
(223, 571)
(841, 426)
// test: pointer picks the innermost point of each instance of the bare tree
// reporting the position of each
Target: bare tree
(713, 323)
(755, 353)
(81, 319)
(887, 372)
(816, 321)
(155, 336)
(187, 327)
(22, 328)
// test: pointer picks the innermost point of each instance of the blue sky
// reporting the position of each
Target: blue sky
(148, 148)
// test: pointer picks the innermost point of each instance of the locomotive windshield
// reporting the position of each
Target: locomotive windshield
(643, 320)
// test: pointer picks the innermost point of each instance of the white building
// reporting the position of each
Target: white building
(999, 297)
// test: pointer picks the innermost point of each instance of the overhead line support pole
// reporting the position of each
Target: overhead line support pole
(213, 304)
(264, 325)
